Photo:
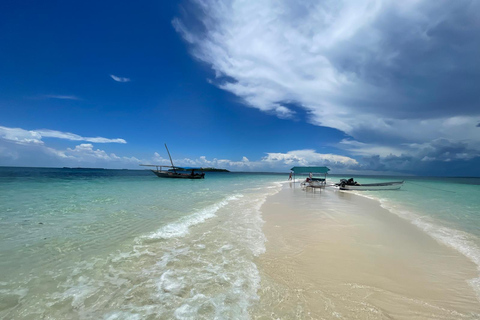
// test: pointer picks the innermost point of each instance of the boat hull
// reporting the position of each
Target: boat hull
(373, 186)
(315, 184)
(173, 175)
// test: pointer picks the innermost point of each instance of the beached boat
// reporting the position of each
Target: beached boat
(313, 182)
(176, 172)
(350, 184)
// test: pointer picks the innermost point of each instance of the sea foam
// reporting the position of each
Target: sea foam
(180, 228)
(110, 265)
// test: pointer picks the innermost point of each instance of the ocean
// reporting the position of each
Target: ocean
(124, 244)
(120, 244)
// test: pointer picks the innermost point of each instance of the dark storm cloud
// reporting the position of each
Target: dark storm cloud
(440, 156)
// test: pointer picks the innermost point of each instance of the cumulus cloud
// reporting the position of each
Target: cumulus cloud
(415, 157)
(20, 136)
(271, 162)
(27, 147)
(202, 161)
(387, 73)
(85, 152)
(35, 155)
(309, 158)
(20, 147)
(119, 79)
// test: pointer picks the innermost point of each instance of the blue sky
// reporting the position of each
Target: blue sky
(365, 86)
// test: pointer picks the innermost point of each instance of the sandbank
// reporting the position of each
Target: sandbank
(333, 254)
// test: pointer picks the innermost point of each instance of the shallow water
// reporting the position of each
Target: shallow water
(128, 245)
(122, 244)
(447, 209)
(333, 254)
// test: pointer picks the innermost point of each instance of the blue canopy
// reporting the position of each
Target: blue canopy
(299, 170)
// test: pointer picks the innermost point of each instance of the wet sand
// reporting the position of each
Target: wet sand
(332, 254)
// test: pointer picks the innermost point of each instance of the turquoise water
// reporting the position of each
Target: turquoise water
(448, 209)
(117, 244)
(121, 244)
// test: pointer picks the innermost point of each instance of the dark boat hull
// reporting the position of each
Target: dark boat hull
(173, 175)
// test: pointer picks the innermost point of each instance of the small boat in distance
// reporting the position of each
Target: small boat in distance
(173, 171)
(350, 184)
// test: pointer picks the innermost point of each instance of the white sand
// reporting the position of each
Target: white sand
(332, 254)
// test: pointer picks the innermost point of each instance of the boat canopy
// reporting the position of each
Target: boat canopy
(188, 168)
(300, 170)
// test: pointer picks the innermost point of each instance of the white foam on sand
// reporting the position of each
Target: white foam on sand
(206, 273)
(180, 228)
(220, 279)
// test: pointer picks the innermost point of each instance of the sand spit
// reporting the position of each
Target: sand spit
(332, 254)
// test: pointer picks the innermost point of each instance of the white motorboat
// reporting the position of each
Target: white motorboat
(350, 184)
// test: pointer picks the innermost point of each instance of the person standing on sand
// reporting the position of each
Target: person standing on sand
(290, 177)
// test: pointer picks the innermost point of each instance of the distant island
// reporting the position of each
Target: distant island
(84, 168)
(214, 170)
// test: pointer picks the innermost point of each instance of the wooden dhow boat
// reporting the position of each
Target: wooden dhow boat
(350, 184)
(176, 172)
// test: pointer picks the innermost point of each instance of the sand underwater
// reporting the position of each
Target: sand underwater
(121, 244)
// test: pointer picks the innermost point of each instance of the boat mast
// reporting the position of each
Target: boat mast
(170, 159)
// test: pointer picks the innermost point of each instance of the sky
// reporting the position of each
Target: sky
(363, 87)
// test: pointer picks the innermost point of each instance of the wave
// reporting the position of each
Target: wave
(181, 228)
(187, 275)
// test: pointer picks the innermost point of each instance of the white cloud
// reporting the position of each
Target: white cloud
(308, 158)
(357, 66)
(202, 161)
(119, 79)
(22, 136)
(158, 159)
(61, 97)
(26, 148)
(364, 149)
(74, 137)
(22, 147)
(35, 155)
(85, 152)
(271, 162)
(280, 51)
